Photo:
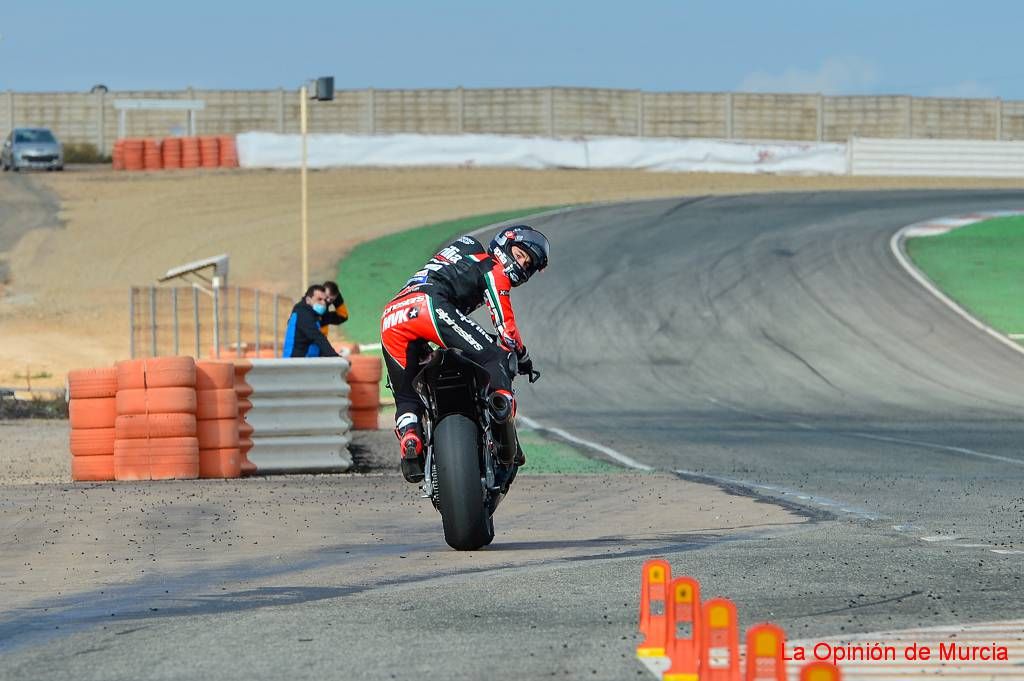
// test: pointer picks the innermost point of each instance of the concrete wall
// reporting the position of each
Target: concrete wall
(558, 112)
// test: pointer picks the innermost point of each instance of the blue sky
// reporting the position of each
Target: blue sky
(935, 48)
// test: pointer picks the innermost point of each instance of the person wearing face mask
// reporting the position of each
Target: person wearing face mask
(338, 315)
(303, 337)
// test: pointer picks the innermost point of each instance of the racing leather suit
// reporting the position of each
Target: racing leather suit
(434, 306)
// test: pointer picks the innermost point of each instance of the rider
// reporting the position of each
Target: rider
(433, 306)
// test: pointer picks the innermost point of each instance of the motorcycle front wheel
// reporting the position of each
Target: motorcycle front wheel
(467, 525)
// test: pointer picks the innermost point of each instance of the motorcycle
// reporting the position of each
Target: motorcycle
(471, 445)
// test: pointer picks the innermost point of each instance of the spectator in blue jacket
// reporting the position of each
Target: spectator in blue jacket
(302, 337)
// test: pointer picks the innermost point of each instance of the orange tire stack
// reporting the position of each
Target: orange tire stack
(190, 152)
(155, 432)
(243, 390)
(364, 390)
(209, 151)
(217, 420)
(228, 151)
(151, 155)
(133, 154)
(172, 152)
(117, 156)
(92, 411)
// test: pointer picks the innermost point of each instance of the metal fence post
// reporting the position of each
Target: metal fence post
(371, 113)
(174, 307)
(152, 320)
(131, 322)
(821, 117)
(639, 113)
(728, 116)
(195, 315)
(101, 140)
(216, 322)
(256, 314)
(460, 123)
(551, 112)
(277, 305)
(280, 111)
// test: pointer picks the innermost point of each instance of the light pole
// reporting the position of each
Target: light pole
(324, 92)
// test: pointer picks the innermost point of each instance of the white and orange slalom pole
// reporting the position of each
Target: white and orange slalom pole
(684, 635)
(766, 653)
(720, 656)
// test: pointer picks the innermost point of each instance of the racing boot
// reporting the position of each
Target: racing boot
(520, 458)
(411, 444)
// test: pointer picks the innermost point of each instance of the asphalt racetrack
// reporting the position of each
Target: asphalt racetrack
(774, 344)
(769, 344)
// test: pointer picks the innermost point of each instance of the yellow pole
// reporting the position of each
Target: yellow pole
(305, 216)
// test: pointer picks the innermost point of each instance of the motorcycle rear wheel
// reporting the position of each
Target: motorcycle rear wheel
(467, 525)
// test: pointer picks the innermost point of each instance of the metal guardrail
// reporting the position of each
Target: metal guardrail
(231, 321)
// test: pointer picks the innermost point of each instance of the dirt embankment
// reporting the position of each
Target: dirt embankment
(65, 304)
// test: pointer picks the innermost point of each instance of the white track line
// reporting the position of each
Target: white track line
(607, 451)
(932, 445)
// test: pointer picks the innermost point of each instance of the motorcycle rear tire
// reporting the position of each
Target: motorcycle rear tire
(467, 525)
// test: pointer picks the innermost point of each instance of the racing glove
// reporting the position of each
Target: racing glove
(526, 366)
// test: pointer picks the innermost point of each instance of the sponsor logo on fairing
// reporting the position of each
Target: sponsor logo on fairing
(465, 335)
(468, 240)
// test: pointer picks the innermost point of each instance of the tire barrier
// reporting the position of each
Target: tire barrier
(228, 151)
(162, 458)
(364, 376)
(209, 151)
(299, 415)
(170, 153)
(217, 421)
(243, 390)
(133, 154)
(175, 418)
(190, 152)
(685, 639)
(151, 158)
(92, 412)
(117, 155)
(155, 432)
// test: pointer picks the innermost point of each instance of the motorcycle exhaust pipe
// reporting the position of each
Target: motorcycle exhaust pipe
(504, 427)
(500, 407)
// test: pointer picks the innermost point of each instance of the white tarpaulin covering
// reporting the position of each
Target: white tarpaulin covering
(271, 150)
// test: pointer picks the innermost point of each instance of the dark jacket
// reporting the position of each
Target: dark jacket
(302, 337)
(465, 274)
